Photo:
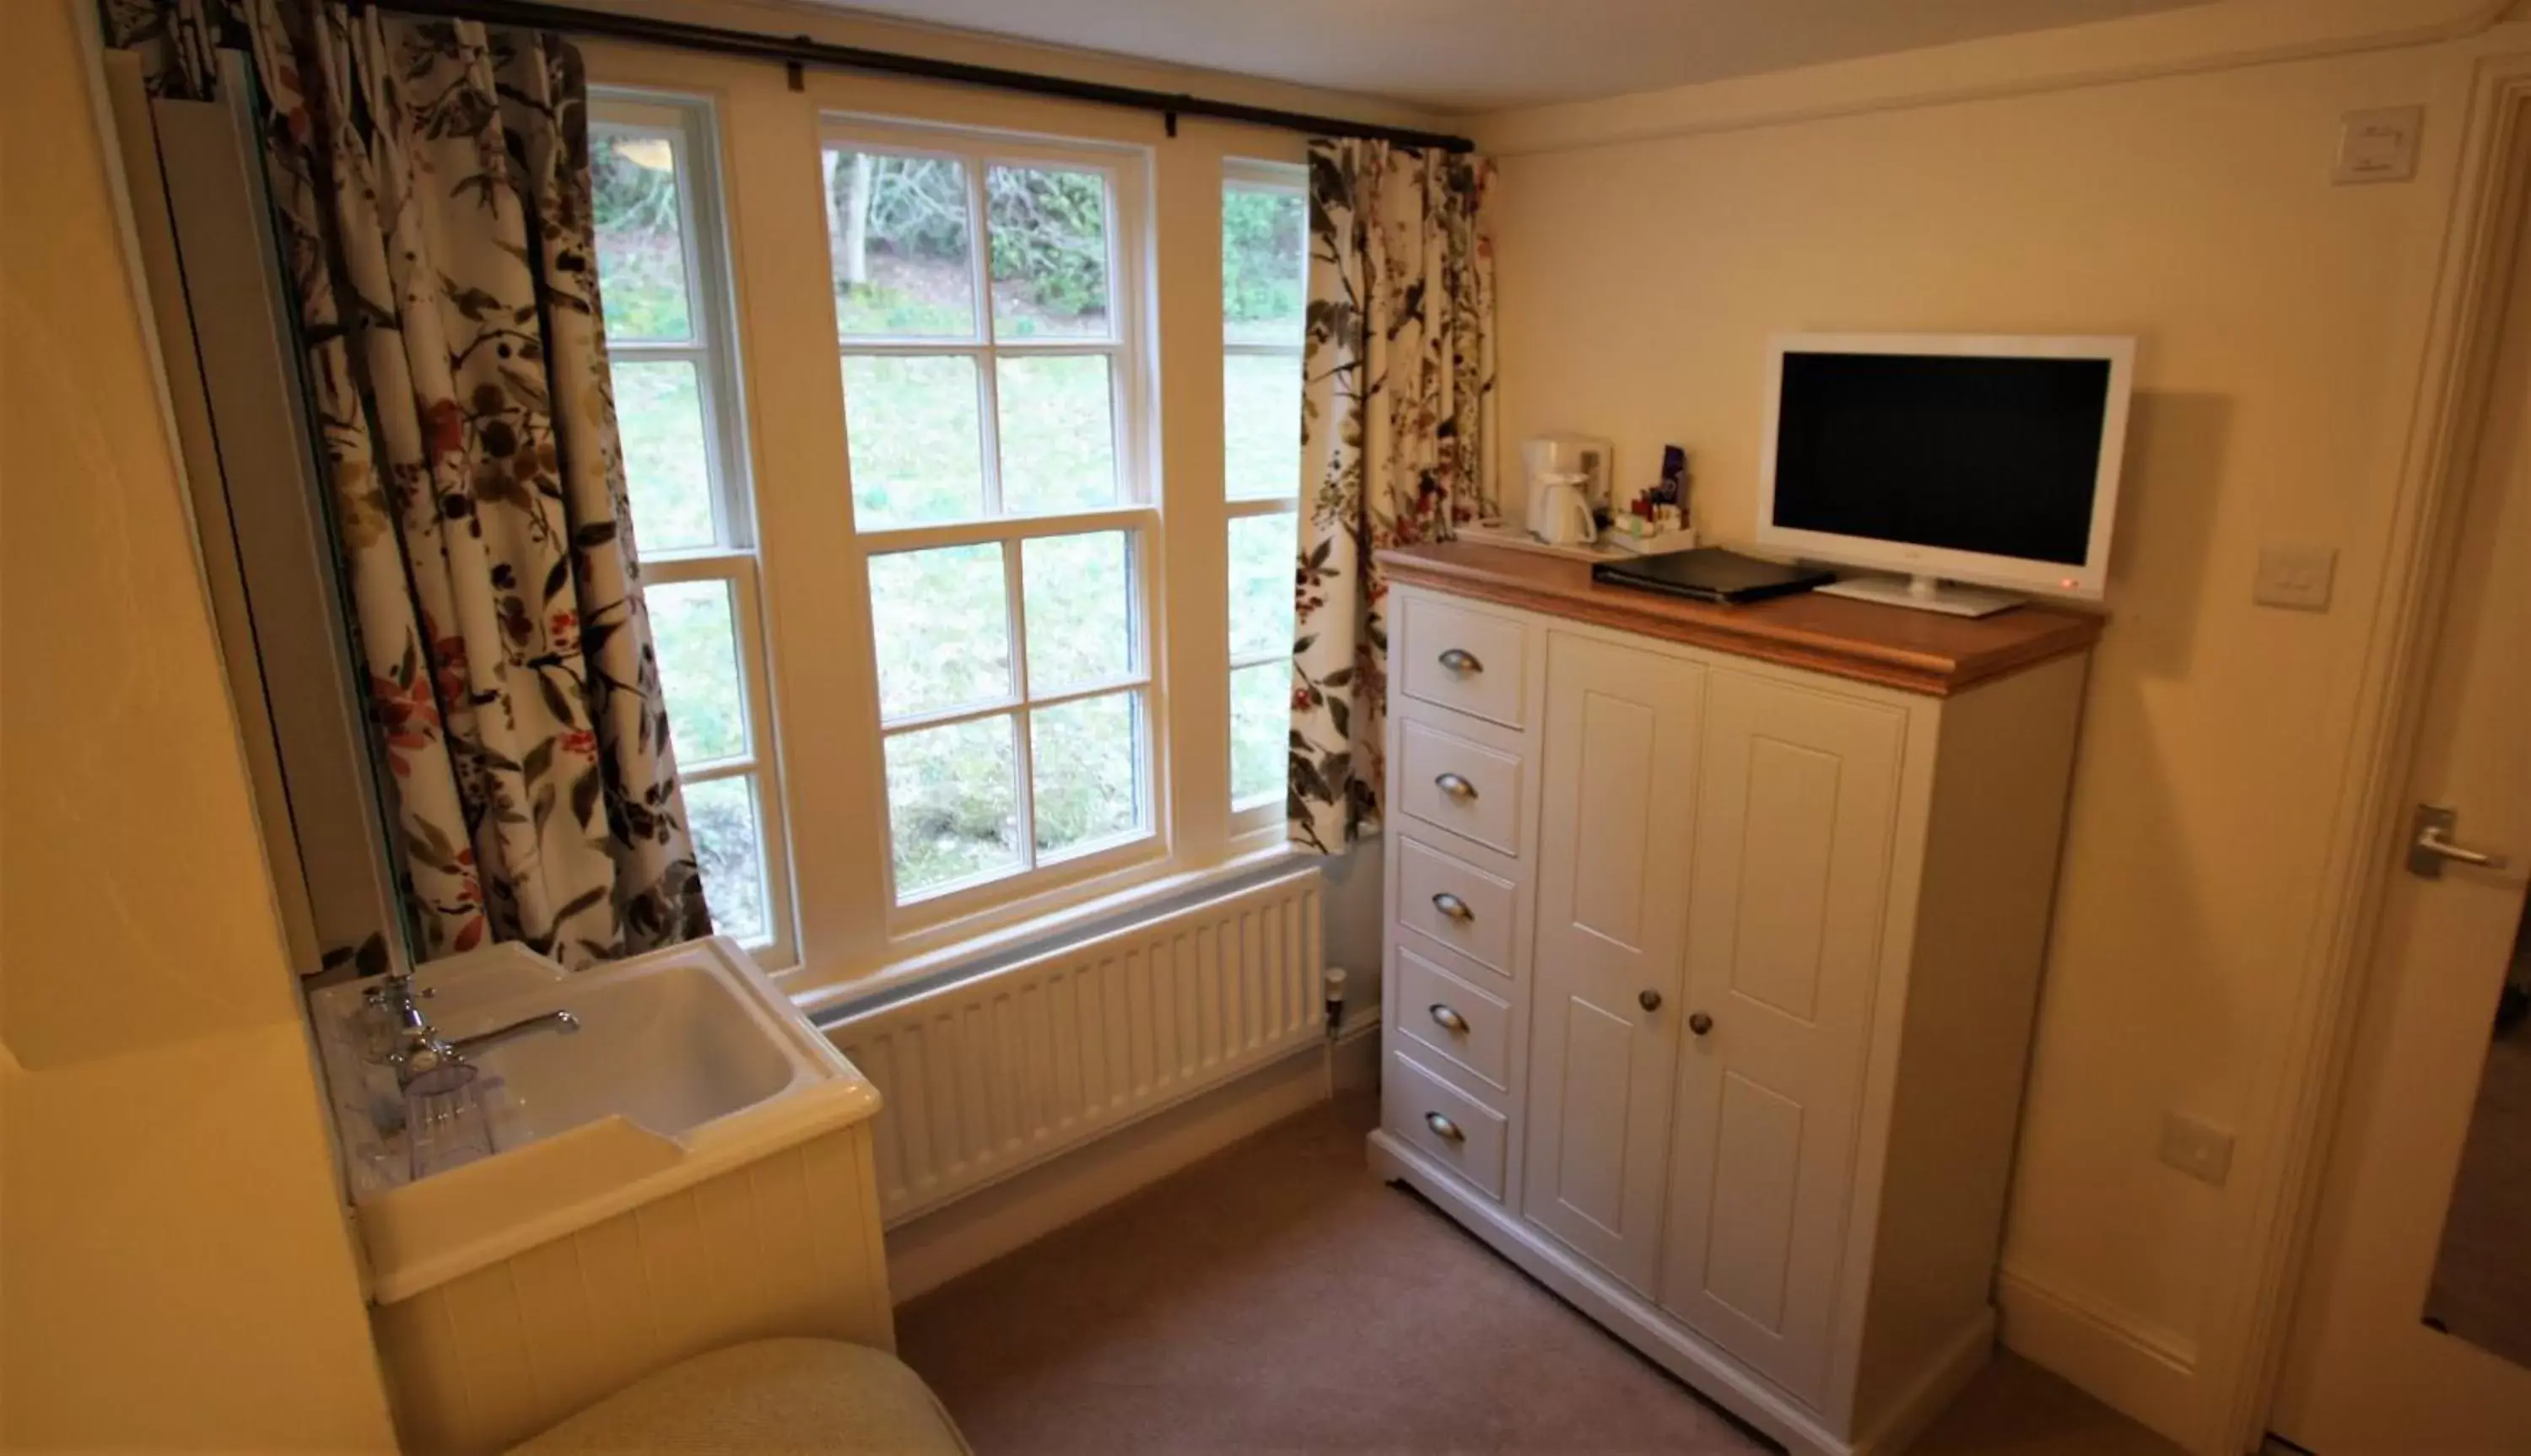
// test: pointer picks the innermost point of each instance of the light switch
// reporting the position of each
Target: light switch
(2200, 1150)
(2295, 576)
(2378, 145)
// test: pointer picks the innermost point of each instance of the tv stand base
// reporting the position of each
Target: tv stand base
(1925, 594)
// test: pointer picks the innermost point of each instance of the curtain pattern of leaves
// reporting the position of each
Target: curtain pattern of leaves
(1397, 443)
(432, 189)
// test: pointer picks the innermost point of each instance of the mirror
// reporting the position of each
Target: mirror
(2482, 1285)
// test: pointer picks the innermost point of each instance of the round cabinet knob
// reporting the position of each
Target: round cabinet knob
(1443, 1128)
(1700, 1023)
(1649, 1000)
(1449, 1020)
(1460, 659)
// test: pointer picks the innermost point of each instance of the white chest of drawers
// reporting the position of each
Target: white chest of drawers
(1713, 938)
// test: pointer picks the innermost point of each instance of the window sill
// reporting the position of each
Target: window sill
(826, 996)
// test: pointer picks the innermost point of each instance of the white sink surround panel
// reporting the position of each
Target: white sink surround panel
(687, 1063)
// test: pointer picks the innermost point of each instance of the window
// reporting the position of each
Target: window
(996, 420)
(936, 553)
(663, 280)
(1265, 259)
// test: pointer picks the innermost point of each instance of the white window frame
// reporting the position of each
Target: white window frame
(1250, 175)
(1136, 510)
(851, 941)
(688, 125)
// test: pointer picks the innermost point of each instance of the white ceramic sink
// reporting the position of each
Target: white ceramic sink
(686, 1062)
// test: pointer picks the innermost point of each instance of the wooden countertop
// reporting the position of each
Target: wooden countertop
(1894, 646)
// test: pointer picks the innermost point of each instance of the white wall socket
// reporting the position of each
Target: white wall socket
(2295, 576)
(2200, 1150)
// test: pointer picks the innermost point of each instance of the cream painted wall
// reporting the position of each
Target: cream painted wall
(2279, 319)
(175, 1272)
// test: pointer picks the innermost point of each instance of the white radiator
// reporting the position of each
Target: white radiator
(989, 1075)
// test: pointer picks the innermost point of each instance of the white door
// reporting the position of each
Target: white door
(1618, 804)
(1794, 825)
(2426, 1213)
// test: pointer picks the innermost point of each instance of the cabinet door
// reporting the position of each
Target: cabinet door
(1796, 813)
(1617, 811)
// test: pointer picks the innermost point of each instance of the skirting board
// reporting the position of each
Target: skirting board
(974, 1231)
(1713, 1374)
(2143, 1373)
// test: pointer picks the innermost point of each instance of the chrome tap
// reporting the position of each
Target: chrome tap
(419, 1053)
(414, 1047)
(562, 1023)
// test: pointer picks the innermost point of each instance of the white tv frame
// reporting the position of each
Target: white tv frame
(1925, 566)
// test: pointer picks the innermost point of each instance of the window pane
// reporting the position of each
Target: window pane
(1261, 717)
(1264, 251)
(1087, 763)
(1059, 436)
(730, 852)
(954, 803)
(1049, 229)
(641, 234)
(911, 435)
(941, 620)
(1080, 609)
(903, 253)
(1261, 425)
(659, 415)
(698, 646)
(1261, 572)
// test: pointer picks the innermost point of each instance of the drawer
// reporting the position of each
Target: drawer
(1461, 1023)
(1456, 904)
(1471, 661)
(1463, 787)
(1444, 1124)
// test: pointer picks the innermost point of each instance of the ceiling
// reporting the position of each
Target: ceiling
(1479, 55)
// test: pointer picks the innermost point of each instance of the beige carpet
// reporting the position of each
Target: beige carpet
(1277, 1298)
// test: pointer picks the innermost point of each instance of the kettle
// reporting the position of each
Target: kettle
(1559, 512)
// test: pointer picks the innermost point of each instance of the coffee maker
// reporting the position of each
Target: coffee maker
(1568, 476)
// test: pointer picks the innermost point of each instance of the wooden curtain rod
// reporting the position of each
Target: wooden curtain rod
(796, 51)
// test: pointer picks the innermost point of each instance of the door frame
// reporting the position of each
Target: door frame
(2273, 1234)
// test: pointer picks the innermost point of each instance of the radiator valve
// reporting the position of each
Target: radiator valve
(1333, 983)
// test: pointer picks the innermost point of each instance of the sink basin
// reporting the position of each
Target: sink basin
(687, 1063)
(670, 1045)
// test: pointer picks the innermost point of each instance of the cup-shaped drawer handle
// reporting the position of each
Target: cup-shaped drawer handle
(1456, 787)
(1460, 659)
(1449, 1020)
(1454, 907)
(1443, 1128)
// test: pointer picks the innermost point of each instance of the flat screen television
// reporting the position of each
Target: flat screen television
(1945, 457)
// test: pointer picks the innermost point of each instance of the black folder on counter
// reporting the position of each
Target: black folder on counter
(1712, 573)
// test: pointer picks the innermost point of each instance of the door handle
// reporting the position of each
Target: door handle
(1454, 907)
(2431, 845)
(1455, 786)
(1649, 1000)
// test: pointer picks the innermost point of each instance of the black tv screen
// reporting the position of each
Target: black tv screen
(1993, 455)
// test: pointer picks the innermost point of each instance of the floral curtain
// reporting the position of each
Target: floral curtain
(431, 183)
(1396, 442)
